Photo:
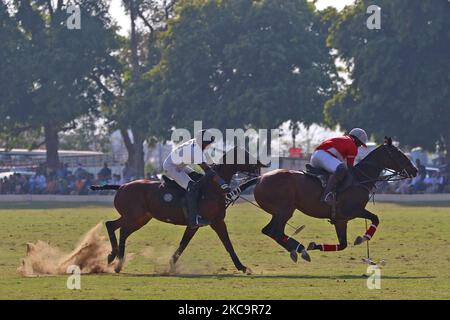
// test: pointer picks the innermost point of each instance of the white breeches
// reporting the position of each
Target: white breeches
(322, 159)
(178, 173)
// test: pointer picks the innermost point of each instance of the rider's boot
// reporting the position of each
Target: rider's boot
(192, 195)
(329, 195)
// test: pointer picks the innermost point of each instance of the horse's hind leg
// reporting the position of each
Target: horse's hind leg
(187, 236)
(112, 226)
(124, 234)
(125, 230)
(275, 230)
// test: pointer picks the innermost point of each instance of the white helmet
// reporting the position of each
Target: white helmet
(359, 134)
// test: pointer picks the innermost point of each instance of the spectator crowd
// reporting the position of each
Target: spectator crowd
(435, 181)
(64, 181)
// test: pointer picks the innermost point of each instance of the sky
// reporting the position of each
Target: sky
(118, 12)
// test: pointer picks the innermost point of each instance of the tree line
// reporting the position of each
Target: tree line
(235, 63)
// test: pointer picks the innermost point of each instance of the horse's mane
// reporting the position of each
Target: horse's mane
(234, 152)
(370, 156)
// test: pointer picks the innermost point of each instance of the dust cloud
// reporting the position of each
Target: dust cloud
(90, 255)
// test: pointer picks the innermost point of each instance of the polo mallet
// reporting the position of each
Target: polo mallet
(368, 260)
(297, 229)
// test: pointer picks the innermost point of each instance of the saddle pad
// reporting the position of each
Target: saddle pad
(172, 195)
(323, 175)
(317, 173)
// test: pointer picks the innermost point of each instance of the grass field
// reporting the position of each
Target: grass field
(414, 240)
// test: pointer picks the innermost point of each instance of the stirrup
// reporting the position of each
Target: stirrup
(200, 221)
(327, 199)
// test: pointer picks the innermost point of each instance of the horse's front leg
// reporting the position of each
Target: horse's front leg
(187, 236)
(341, 232)
(221, 229)
(366, 214)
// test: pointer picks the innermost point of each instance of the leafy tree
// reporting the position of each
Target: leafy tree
(87, 135)
(243, 64)
(133, 111)
(65, 67)
(14, 80)
(400, 80)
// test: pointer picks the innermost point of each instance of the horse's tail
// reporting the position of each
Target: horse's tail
(105, 187)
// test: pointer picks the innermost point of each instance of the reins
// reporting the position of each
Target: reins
(390, 177)
(395, 175)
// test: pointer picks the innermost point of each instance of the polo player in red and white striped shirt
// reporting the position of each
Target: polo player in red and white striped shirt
(335, 155)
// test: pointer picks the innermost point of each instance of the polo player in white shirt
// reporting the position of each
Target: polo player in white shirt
(183, 160)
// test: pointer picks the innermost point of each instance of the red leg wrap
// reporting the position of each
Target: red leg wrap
(330, 247)
(370, 232)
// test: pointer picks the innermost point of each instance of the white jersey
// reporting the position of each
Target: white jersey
(187, 153)
(182, 160)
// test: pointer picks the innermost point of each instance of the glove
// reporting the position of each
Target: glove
(225, 188)
(233, 195)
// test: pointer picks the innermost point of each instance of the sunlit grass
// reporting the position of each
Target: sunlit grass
(414, 240)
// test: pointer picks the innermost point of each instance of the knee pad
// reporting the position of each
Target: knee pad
(341, 171)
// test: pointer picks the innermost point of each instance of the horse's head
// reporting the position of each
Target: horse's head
(394, 159)
(239, 160)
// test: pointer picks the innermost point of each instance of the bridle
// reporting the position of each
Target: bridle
(395, 175)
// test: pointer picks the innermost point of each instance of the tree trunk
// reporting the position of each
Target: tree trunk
(51, 143)
(446, 136)
(134, 43)
(138, 143)
(293, 139)
(129, 145)
(135, 151)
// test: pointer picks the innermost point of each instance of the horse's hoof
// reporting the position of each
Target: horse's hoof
(247, 271)
(118, 268)
(294, 255)
(312, 246)
(359, 240)
(172, 266)
(111, 258)
(305, 255)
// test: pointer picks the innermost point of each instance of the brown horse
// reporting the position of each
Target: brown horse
(139, 201)
(280, 192)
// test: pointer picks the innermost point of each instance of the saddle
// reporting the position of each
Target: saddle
(318, 173)
(323, 175)
(171, 194)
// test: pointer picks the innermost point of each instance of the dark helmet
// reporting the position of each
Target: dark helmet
(204, 137)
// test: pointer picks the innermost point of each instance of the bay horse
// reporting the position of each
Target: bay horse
(280, 192)
(139, 201)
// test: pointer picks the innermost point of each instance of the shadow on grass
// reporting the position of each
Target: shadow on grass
(255, 276)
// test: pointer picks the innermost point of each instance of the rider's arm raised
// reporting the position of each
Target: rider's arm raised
(223, 185)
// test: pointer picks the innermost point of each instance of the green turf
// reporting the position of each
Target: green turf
(414, 240)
